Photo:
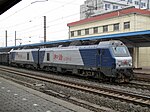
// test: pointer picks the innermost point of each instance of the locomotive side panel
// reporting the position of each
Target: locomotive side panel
(63, 56)
(24, 58)
(68, 59)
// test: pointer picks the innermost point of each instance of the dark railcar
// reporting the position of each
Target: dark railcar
(4, 58)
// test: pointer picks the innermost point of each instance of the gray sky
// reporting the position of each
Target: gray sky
(26, 18)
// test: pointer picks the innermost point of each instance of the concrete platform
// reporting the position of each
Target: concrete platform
(17, 98)
(142, 71)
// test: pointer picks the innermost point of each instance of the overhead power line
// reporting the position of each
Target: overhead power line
(15, 13)
(19, 24)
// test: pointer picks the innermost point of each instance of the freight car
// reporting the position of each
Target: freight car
(109, 60)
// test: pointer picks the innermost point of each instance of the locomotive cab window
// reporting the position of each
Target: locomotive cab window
(27, 56)
(48, 57)
(120, 51)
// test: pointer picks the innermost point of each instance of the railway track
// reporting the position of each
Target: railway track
(141, 85)
(136, 85)
(107, 92)
(142, 76)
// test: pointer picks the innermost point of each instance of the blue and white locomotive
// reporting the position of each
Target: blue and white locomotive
(109, 60)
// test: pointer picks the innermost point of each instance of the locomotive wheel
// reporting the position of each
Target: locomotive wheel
(100, 76)
(120, 78)
(126, 80)
(47, 69)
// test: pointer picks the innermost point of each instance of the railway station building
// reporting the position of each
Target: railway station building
(123, 22)
(95, 7)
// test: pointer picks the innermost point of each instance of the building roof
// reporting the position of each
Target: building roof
(125, 11)
(114, 2)
(7, 4)
(131, 39)
(137, 38)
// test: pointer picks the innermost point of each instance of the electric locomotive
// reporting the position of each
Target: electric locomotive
(109, 60)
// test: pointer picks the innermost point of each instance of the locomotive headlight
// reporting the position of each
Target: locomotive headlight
(130, 63)
(119, 63)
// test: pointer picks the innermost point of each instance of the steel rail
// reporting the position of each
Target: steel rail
(116, 94)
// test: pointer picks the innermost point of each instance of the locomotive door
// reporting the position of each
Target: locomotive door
(99, 57)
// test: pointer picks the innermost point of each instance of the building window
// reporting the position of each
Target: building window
(115, 7)
(48, 57)
(72, 33)
(126, 25)
(130, 1)
(27, 56)
(116, 27)
(105, 28)
(136, 2)
(143, 4)
(86, 31)
(107, 6)
(95, 30)
(79, 32)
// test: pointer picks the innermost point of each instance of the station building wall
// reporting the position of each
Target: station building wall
(144, 57)
(136, 23)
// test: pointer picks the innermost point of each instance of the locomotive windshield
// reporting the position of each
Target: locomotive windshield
(120, 51)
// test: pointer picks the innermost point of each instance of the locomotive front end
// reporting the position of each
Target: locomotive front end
(123, 62)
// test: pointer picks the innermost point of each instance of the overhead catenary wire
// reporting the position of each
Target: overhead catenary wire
(52, 21)
(49, 11)
(39, 27)
(26, 26)
(26, 30)
(15, 13)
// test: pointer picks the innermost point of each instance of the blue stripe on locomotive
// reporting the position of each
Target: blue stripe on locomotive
(41, 56)
(92, 58)
(35, 56)
(88, 57)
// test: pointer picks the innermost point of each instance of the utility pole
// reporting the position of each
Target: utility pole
(6, 37)
(44, 28)
(15, 38)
